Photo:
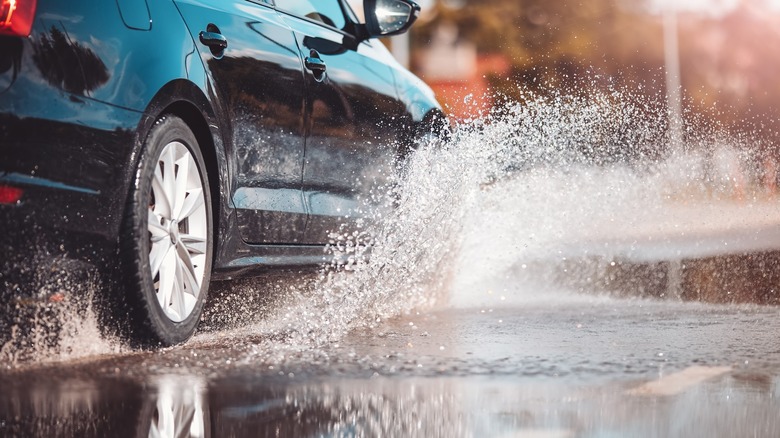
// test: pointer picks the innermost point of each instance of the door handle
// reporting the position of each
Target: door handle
(317, 66)
(214, 40)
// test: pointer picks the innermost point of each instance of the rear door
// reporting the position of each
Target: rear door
(259, 86)
(355, 116)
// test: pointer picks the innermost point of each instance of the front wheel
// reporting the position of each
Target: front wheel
(166, 240)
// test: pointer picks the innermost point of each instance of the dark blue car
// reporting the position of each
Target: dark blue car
(169, 143)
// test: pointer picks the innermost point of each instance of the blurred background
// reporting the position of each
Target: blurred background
(714, 60)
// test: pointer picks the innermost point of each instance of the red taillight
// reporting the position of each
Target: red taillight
(16, 17)
(10, 195)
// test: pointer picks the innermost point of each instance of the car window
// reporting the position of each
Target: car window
(325, 11)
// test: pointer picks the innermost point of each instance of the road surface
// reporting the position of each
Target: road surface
(625, 315)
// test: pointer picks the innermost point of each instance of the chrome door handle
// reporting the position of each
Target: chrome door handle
(316, 65)
(214, 40)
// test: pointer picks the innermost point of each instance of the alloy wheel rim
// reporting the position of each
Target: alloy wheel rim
(178, 232)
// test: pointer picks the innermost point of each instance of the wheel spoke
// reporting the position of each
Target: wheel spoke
(190, 290)
(182, 177)
(157, 255)
(176, 309)
(158, 231)
(189, 269)
(162, 204)
(168, 159)
(167, 280)
(194, 244)
(192, 203)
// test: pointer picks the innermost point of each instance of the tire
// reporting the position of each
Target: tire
(166, 242)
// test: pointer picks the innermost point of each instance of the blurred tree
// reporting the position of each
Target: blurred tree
(728, 60)
(555, 44)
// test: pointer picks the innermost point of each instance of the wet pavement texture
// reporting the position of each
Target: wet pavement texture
(568, 366)
(574, 303)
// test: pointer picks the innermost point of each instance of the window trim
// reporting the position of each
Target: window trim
(351, 21)
(348, 20)
(267, 3)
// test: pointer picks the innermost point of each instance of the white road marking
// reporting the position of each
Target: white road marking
(679, 382)
(540, 433)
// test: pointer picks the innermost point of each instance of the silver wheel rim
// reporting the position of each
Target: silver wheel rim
(178, 229)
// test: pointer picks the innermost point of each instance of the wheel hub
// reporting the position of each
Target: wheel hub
(173, 231)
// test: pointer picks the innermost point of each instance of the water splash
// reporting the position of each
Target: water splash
(565, 186)
(58, 322)
(501, 209)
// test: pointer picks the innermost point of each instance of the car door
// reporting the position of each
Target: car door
(355, 116)
(258, 84)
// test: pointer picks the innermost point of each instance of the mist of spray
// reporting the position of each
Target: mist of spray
(513, 189)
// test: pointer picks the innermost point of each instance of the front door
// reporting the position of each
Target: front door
(354, 116)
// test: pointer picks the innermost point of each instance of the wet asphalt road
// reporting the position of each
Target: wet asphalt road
(648, 334)
(568, 366)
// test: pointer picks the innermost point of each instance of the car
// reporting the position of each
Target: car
(167, 144)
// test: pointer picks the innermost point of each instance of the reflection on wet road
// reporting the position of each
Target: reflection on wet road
(567, 366)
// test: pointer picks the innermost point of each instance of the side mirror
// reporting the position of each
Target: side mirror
(389, 17)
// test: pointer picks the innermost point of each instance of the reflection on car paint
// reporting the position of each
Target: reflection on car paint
(17, 178)
(67, 64)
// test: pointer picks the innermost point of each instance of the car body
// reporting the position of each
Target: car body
(287, 117)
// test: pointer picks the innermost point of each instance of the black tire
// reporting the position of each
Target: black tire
(149, 324)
